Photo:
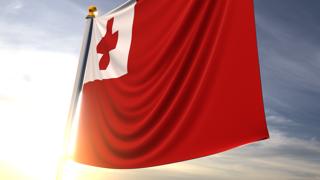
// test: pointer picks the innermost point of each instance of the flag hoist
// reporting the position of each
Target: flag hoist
(92, 11)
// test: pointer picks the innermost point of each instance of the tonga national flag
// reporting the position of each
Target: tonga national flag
(170, 80)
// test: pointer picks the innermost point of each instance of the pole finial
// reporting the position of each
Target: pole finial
(92, 10)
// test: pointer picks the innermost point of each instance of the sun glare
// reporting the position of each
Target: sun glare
(34, 98)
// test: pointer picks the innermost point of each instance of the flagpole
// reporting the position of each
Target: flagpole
(76, 89)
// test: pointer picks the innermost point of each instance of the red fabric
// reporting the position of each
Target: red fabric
(192, 89)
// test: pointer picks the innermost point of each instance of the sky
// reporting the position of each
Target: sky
(39, 47)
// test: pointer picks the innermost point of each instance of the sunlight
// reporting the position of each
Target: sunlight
(33, 110)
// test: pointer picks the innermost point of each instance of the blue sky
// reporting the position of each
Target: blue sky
(39, 46)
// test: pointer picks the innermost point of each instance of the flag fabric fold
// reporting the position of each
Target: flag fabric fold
(168, 81)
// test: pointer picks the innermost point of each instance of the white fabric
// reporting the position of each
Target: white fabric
(118, 65)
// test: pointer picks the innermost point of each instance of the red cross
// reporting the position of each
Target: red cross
(107, 43)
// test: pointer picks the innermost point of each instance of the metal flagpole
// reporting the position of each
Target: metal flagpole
(76, 89)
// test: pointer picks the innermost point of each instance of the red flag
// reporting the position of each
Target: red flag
(168, 81)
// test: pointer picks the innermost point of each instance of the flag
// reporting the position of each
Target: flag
(168, 81)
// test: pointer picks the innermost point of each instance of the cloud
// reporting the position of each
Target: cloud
(279, 120)
(41, 25)
(13, 7)
(290, 63)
